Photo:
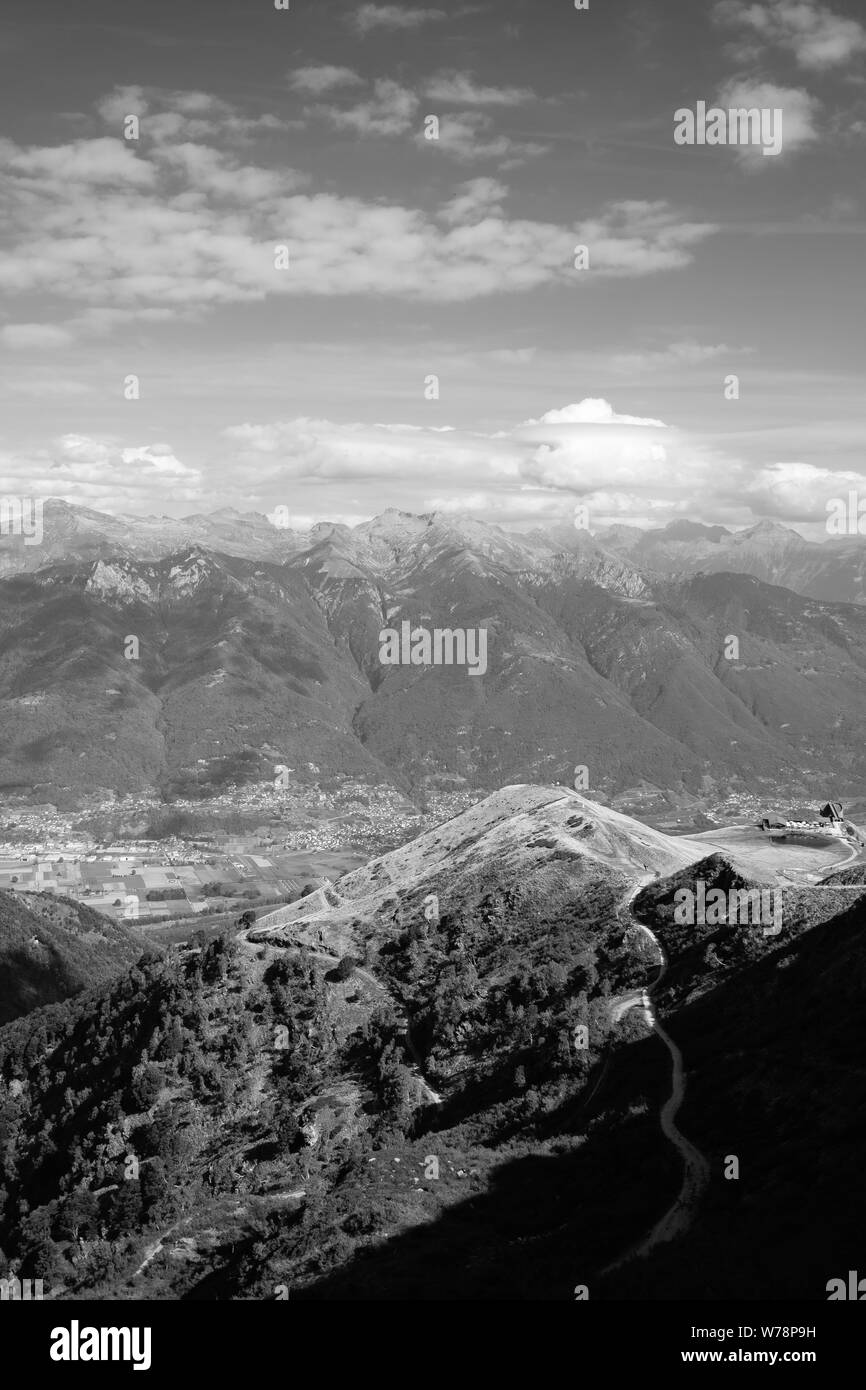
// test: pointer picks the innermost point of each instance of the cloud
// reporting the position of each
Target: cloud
(324, 77)
(89, 162)
(100, 473)
(472, 135)
(190, 227)
(168, 116)
(314, 450)
(462, 89)
(475, 199)
(621, 465)
(369, 17)
(678, 354)
(512, 356)
(638, 238)
(210, 172)
(799, 112)
(590, 411)
(545, 452)
(34, 335)
(817, 38)
(389, 111)
(795, 491)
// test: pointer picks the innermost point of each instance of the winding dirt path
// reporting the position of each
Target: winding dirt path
(696, 1169)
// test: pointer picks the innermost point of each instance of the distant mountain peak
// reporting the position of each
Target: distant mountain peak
(684, 530)
(769, 531)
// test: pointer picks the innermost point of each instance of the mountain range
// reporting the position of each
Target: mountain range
(833, 570)
(694, 683)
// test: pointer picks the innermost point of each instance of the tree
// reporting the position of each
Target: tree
(346, 967)
(78, 1215)
(145, 1086)
(126, 1206)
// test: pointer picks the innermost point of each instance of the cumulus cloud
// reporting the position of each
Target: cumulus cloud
(34, 335)
(678, 354)
(166, 115)
(799, 492)
(474, 199)
(100, 473)
(635, 237)
(186, 226)
(462, 89)
(322, 77)
(470, 136)
(390, 110)
(308, 449)
(621, 465)
(536, 469)
(95, 163)
(799, 116)
(590, 412)
(588, 446)
(818, 39)
(369, 17)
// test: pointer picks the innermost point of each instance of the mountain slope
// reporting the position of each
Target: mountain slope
(463, 1104)
(833, 570)
(51, 948)
(696, 686)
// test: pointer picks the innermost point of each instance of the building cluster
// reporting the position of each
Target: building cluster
(828, 820)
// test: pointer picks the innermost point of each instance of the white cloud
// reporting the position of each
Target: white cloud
(472, 135)
(91, 163)
(795, 491)
(678, 354)
(591, 411)
(211, 172)
(34, 335)
(475, 199)
(389, 111)
(462, 89)
(799, 113)
(101, 473)
(166, 116)
(512, 356)
(619, 464)
(638, 237)
(191, 226)
(369, 17)
(307, 449)
(818, 39)
(322, 77)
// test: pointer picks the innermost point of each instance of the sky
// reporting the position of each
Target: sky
(285, 293)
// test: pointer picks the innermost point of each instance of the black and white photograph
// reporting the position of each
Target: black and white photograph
(432, 669)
